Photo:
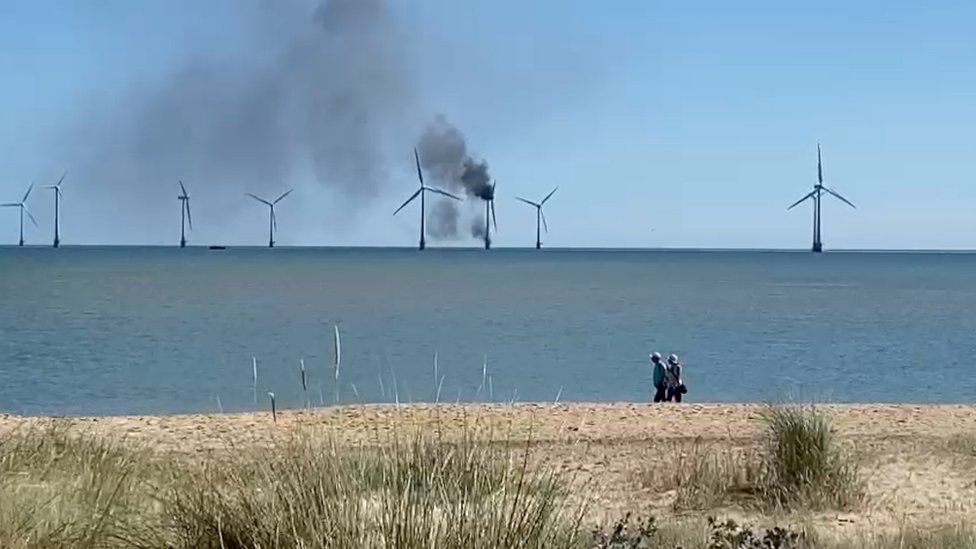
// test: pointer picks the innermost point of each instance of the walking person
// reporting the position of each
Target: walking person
(675, 383)
(660, 377)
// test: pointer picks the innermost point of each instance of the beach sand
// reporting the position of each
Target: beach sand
(918, 461)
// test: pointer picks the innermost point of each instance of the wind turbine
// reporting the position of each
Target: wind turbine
(57, 209)
(818, 191)
(421, 192)
(490, 209)
(273, 223)
(539, 216)
(184, 214)
(23, 208)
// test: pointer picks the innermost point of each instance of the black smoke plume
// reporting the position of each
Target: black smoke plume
(323, 93)
(447, 163)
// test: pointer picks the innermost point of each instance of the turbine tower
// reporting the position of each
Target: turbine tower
(818, 191)
(57, 209)
(23, 209)
(490, 215)
(421, 192)
(539, 216)
(184, 214)
(273, 222)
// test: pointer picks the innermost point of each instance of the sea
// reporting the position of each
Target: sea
(152, 330)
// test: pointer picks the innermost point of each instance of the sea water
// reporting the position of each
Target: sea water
(121, 330)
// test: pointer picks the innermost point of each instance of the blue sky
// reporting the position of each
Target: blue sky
(689, 124)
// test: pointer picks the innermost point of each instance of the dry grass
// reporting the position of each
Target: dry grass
(415, 493)
(62, 491)
(58, 490)
(411, 485)
(799, 467)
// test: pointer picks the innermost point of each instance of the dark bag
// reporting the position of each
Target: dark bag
(683, 389)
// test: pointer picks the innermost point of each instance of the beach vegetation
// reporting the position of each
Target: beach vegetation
(799, 466)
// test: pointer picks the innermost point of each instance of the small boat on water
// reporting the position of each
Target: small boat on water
(218, 247)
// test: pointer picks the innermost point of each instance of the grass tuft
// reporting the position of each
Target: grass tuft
(799, 466)
(804, 465)
(58, 490)
(414, 493)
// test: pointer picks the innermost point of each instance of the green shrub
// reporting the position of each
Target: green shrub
(804, 466)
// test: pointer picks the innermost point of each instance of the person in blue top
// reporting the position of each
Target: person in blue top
(660, 377)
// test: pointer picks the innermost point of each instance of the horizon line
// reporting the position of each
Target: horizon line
(512, 248)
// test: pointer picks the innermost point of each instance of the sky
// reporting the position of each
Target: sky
(664, 124)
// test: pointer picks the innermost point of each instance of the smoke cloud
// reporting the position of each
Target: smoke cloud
(324, 96)
(447, 163)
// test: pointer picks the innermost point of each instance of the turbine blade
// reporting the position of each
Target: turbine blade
(29, 189)
(183, 188)
(9, 204)
(259, 199)
(836, 194)
(282, 196)
(795, 204)
(26, 211)
(420, 173)
(409, 200)
(544, 224)
(274, 220)
(494, 220)
(819, 166)
(444, 193)
(529, 202)
(189, 218)
(548, 196)
(62, 178)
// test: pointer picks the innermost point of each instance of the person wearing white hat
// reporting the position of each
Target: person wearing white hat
(660, 377)
(676, 385)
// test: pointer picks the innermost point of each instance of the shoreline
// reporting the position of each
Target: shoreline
(536, 422)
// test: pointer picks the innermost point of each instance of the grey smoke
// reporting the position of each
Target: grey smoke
(442, 220)
(478, 227)
(446, 161)
(324, 95)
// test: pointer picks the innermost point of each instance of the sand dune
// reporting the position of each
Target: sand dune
(919, 462)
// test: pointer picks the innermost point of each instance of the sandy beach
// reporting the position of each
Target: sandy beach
(918, 461)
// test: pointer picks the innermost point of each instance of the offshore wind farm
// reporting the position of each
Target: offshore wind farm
(347, 344)
(338, 130)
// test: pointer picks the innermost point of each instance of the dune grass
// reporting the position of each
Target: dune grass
(805, 467)
(415, 493)
(799, 466)
(410, 489)
(415, 490)
(62, 491)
